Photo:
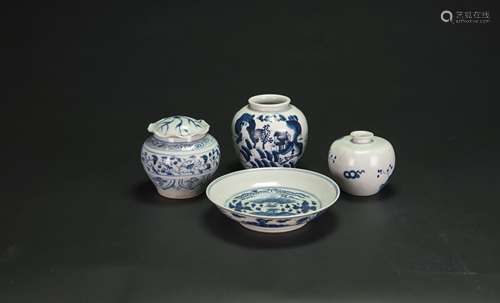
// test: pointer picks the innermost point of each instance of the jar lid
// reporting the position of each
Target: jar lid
(179, 129)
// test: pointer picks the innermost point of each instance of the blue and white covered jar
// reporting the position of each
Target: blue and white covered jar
(180, 157)
(269, 132)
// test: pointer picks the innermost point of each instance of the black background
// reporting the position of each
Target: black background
(79, 221)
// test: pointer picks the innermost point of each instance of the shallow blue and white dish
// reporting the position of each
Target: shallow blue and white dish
(273, 200)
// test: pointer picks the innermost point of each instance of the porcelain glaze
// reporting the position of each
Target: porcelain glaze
(180, 157)
(361, 163)
(273, 200)
(269, 132)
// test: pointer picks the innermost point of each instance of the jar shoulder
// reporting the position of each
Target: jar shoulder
(344, 154)
(273, 120)
(204, 145)
(344, 145)
(292, 110)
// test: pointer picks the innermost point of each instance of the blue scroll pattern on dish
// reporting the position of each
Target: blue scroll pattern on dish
(276, 223)
(273, 222)
(174, 165)
(273, 201)
(277, 142)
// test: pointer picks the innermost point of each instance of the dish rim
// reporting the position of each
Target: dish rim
(319, 210)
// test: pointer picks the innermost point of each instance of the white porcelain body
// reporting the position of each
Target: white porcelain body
(363, 168)
(273, 200)
(269, 132)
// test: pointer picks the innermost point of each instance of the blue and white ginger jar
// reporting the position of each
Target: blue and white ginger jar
(269, 132)
(180, 157)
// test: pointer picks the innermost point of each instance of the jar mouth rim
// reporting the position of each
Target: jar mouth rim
(270, 102)
(361, 136)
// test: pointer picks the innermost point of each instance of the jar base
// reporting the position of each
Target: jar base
(178, 194)
(360, 194)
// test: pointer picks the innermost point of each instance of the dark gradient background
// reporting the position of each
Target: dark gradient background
(79, 221)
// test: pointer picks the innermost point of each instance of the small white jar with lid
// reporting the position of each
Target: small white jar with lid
(361, 163)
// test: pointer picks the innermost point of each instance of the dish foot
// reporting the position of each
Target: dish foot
(272, 229)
